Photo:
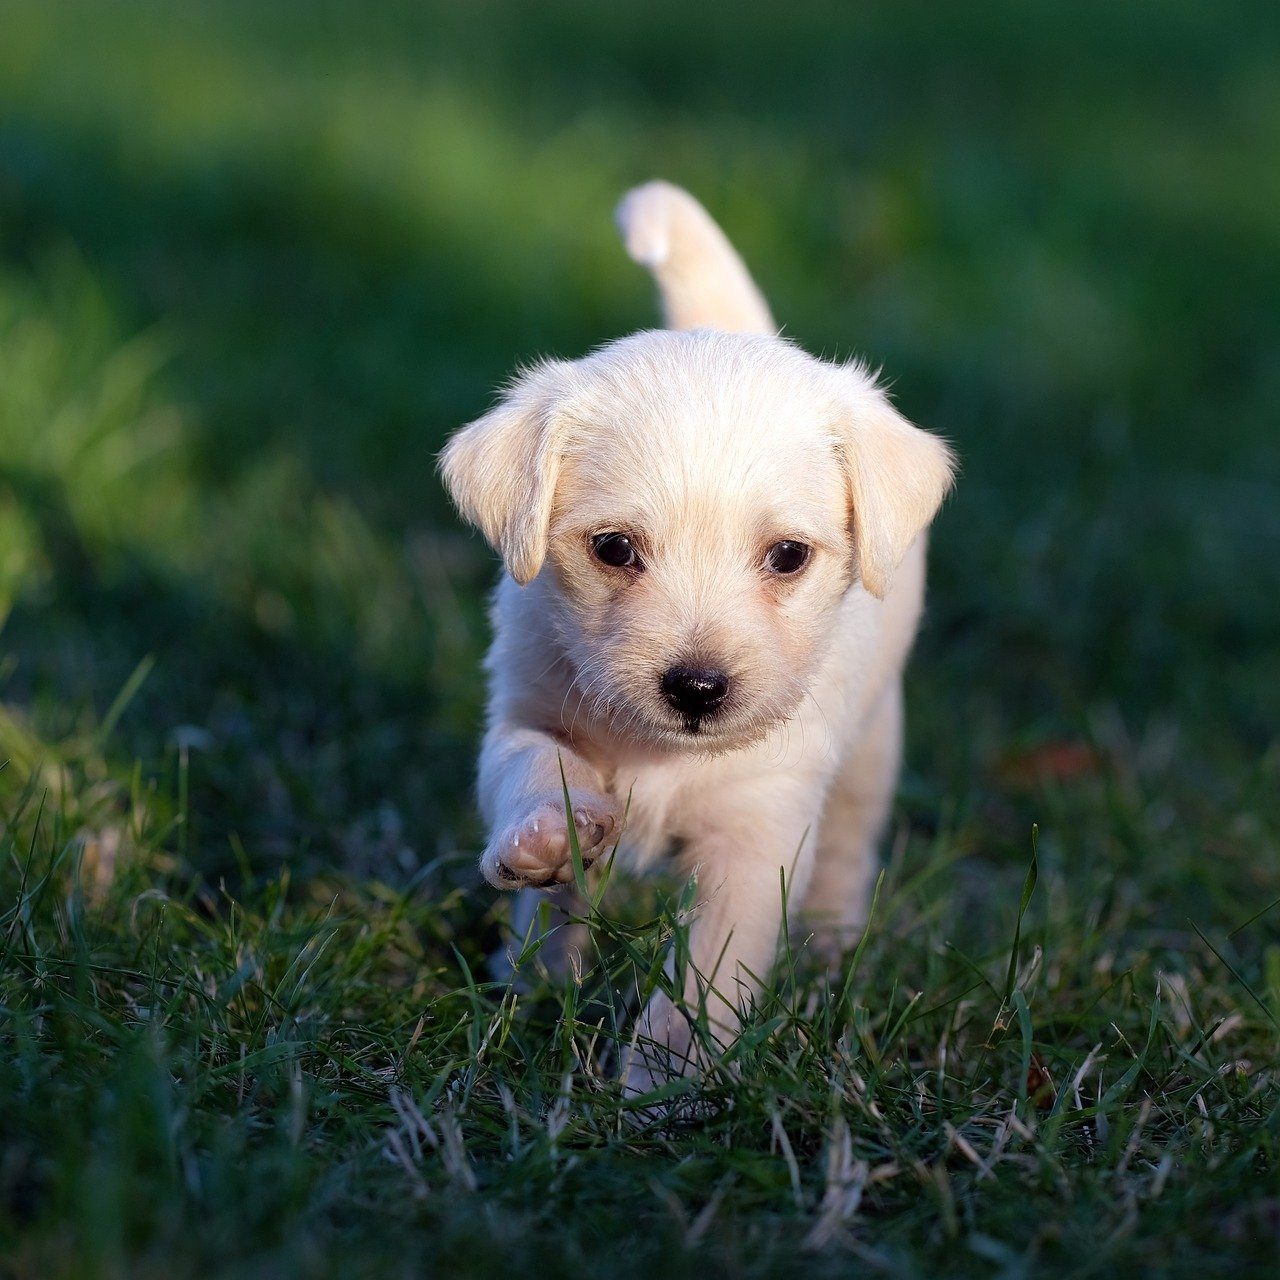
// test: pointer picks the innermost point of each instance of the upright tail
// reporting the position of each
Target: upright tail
(702, 281)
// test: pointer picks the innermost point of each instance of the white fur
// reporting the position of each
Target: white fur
(706, 447)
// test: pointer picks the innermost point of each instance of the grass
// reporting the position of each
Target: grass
(255, 263)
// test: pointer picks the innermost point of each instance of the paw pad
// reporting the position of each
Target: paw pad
(537, 850)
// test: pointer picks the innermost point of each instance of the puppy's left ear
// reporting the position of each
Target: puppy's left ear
(501, 469)
(898, 477)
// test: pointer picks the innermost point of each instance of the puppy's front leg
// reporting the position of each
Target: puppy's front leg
(733, 938)
(522, 800)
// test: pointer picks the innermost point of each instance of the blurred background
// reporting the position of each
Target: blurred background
(258, 260)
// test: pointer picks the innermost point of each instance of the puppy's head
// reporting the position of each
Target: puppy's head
(702, 502)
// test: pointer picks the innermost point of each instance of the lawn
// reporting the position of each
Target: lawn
(256, 262)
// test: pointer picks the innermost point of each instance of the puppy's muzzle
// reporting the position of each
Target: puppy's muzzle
(695, 692)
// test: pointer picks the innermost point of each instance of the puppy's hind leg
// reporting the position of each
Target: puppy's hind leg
(853, 822)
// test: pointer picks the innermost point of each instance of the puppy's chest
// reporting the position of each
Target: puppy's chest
(652, 796)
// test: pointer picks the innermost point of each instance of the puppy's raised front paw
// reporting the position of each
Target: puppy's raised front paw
(535, 850)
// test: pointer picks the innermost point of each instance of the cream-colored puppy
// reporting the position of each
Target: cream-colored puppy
(715, 556)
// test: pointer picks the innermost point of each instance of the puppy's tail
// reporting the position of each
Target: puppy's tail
(702, 281)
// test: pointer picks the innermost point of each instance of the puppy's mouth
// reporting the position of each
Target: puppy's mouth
(718, 728)
(739, 720)
(729, 728)
(704, 723)
(718, 733)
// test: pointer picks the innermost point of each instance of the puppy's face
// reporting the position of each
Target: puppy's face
(702, 503)
(700, 547)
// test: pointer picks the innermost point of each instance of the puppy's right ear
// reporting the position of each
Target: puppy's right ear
(501, 470)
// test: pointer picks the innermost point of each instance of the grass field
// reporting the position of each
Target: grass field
(256, 261)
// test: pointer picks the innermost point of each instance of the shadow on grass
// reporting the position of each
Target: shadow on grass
(298, 750)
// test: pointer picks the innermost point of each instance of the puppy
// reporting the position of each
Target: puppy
(715, 561)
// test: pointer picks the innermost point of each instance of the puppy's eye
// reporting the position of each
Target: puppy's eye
(615, 549)
(786, 557)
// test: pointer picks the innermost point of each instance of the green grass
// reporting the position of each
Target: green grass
(256, 261)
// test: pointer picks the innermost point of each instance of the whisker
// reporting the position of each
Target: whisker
(826, 725)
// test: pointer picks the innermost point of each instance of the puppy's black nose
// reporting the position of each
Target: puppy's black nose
(695, 691)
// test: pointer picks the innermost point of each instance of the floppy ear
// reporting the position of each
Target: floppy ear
(898, 477)
(500, 470)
